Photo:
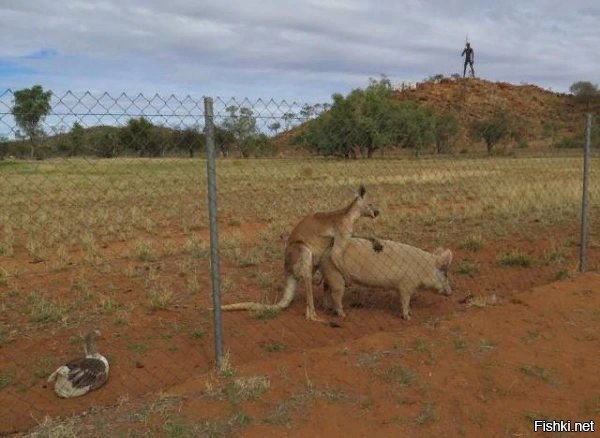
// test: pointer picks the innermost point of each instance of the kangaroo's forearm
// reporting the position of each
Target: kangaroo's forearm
(376, 243)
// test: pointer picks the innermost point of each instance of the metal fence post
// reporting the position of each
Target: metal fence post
(585, 195)
(214, 237)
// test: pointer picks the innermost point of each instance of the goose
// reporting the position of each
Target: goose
(80, 376)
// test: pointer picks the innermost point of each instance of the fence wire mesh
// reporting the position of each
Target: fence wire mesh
(104, 223)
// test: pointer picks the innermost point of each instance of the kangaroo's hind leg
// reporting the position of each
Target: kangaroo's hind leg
(335, 283)
(302, 267)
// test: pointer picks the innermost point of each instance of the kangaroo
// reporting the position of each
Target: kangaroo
(395, 266)
(311, 237)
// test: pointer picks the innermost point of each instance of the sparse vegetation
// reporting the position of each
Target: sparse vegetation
(159, 296)
(44, 309)
(460, 345)
(537, 372)
(401, 375)
(273, 347)
(198, 333)
(145, 251)
(516, 258)
(465, 267)
(472, 243)
(420, 345)
(427, 415)
(280, 416)
(137, 348)
(268, 313)
(6, 379)
(485, 345)
(246, 388)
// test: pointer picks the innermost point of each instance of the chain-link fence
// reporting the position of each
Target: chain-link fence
(104, 223)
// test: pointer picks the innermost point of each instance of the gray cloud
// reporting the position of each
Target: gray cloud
(294, 49)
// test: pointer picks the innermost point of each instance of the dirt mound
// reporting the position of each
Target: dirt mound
(540, 114)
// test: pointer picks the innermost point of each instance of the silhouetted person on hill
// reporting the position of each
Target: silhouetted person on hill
(469, 55)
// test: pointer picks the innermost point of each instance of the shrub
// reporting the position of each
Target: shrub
(491, 129)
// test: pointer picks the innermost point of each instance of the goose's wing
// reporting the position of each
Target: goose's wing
(87, 372)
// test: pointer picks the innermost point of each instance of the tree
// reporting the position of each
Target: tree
(416, 130)
(445, 130)
(77, 139)
(223, 140)
(141, 136)
(585, 92)
(275, 127)
(241, 124)
(189, 139)
(307, 111)
(3, 146)
(367, 120)
(31, 106)
(107, 142)
(549, 129)
(287, 118)
(257, 146)
(491, 129)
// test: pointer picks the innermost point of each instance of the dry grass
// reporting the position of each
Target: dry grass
(496, 192)
(472, 243)
(516, 258)
(482, 301)
(159, 296)
(145, 251)
(43, 309)
(7, 242)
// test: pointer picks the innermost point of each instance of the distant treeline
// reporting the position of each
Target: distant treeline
(139, 137)
(354, 126)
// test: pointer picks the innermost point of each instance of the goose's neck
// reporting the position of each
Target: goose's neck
(90, 347)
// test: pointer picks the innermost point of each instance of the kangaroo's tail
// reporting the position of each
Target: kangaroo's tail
(284, 302)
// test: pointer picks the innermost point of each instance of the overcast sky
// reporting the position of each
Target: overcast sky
(303, 50)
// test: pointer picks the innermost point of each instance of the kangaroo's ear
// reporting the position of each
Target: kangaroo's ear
(362, 191)
(443, 258)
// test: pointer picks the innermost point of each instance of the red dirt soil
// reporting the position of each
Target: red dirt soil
(482, 370)
(154, 350)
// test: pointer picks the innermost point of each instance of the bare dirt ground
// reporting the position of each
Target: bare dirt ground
(493, 370)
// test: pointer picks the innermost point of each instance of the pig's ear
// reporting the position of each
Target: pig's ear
(443, 258)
